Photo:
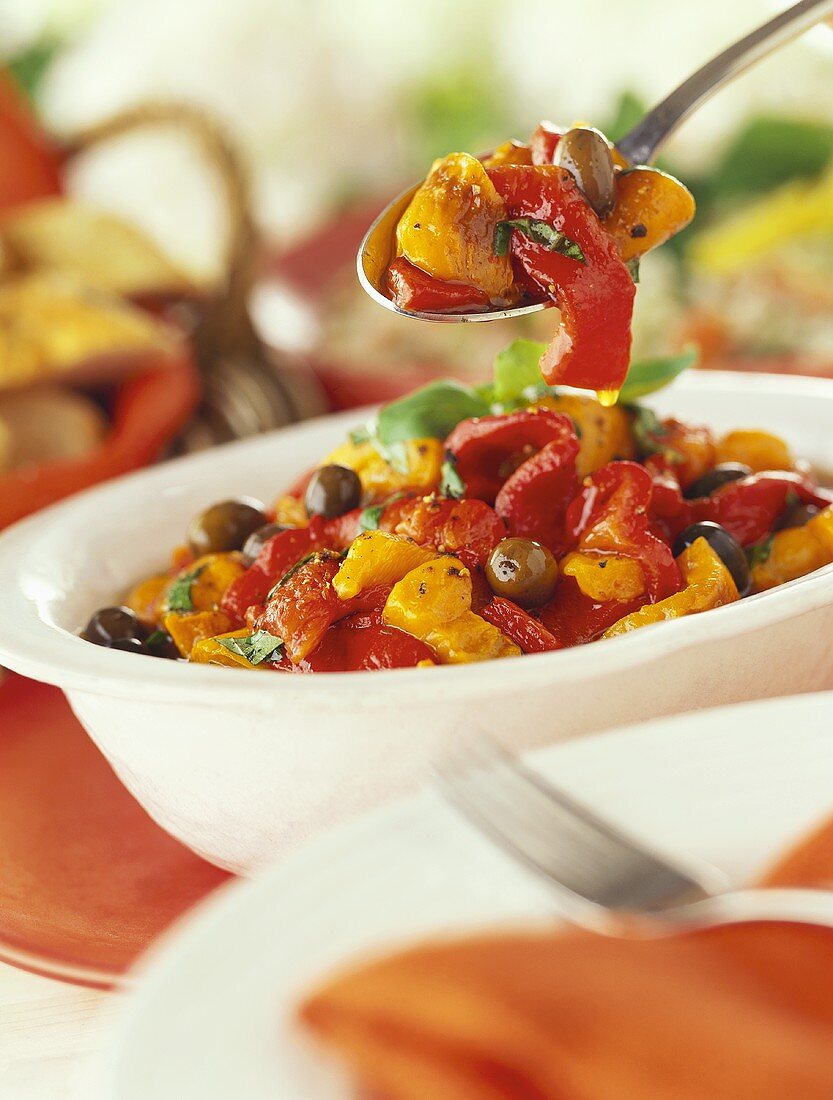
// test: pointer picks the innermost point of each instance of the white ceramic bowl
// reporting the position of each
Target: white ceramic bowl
(243, 766)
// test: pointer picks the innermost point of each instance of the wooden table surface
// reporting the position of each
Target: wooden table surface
(52, 1036)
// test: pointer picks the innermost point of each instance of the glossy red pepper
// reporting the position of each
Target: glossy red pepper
(670, 512)
(30, 164)
(415, 290)
(149, 409)
(544, 142)
(749, 507)
(469, 528)
(533, 499)
(611, 513)
(365, 642)
(489, 449)
(306, 605)
(592, 348)
(573, 618)
(519, 626)
(279, 554)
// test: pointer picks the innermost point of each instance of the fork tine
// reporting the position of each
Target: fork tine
(557, 837)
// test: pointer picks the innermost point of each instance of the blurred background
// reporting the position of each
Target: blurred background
(329, 108)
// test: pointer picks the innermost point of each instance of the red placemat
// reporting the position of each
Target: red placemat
(87, 880)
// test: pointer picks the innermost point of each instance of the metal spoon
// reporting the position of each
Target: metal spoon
(638, 147)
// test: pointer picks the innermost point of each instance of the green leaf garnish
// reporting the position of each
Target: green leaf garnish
(648, 375)
(256, 648)
(649, 433)
(517, 368)
(359, 436)
(370, 516)
(538, 231)
(759, 553)
(432, 411)
(633, 268)
(770, 150)
(451, 484)
(179, 594)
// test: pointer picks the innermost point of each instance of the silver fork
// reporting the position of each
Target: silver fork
(604, 879)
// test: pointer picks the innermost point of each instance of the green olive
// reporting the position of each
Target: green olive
(258, 539)
(586, 155)
(522, 570)
(224, 527)
(332, 491)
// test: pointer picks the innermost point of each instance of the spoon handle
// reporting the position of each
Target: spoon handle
(642, 143)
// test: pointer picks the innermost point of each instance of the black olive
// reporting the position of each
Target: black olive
(796, 516)
(586, 155)
(117, 628)
(256, 541)
(522, 570)
(711, 481)
(724, 544)
(161, 644)
(224, 527)
(332, 491)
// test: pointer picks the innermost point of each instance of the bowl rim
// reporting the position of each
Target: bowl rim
(35, 647)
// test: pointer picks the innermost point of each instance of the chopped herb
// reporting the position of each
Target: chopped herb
(649, 433)
(648, 375)
(179, 594)
(540, 232)
(359, 436)
(370, 516)
(759, 553)
(451, 484)
(633, 269)
(791, 500)
(256, 648)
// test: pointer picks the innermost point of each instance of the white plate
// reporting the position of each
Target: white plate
(212, 1017)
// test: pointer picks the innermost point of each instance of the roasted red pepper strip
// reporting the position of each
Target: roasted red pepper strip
(30, 164)
(303, 608)
(573, 618)
(519, 626)
(533, 499)
(748, 508)
(592, 347)
(611, 513)
(469, 529)
(415, 290)
(544, 142)
(364, 641)
(280, 553)
(488, 450)
(669, 508)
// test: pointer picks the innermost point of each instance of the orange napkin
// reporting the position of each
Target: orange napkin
(738, 1013)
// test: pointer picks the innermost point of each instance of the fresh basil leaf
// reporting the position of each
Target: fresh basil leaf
(540, 232)
(648, 375)
(451, 484)
(759, 553)
(370, 516)
(256, 648)
(359, 436)
(179, 594)
(630, 109)
(432, 411)
(517, 368)
(771, 150)
(649, 433)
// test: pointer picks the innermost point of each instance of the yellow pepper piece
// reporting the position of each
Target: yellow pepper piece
(433, 603)
(651, 202)
(756, 449)
(605, 577)
(209, 651)
(604, 433)
(145, 599)
(424, 458)
(290, 512)
(510, 152)
(377, 558)
(449, 227)
(762, 228)
(189, 628)
(795, 552)
(213, 573)
(708, 584)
